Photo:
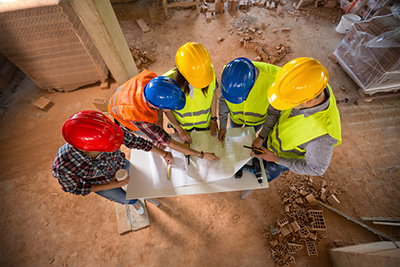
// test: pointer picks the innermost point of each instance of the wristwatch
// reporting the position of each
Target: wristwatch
(214, 118)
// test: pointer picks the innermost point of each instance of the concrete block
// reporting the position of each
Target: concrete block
(311, 248)
(101, 104)
(311, 199)
(44, 104)
(318, 220)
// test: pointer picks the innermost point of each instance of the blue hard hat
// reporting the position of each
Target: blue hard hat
(164, 93)
(238, 77)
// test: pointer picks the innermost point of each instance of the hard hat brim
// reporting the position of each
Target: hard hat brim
(275, 100)
(206, 81)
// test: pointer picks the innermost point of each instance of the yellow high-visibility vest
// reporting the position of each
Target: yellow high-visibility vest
(197, 111)
(253, 110)
(289, 133)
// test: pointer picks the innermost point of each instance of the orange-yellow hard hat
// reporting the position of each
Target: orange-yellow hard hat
(194, 62)
(298, 81)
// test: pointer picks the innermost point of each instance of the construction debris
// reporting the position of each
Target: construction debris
(142, 58)
(105, 85)
(44, 104)
(208, 17)
(232, 5)
(303, 223)
(101, 104)
(143, 25)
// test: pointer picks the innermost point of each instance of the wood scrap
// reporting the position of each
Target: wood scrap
(143, 25)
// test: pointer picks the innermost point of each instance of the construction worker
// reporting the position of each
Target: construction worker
(91, 157)
(244, 94)
(196, 77)
(134, 105)
(303, 122)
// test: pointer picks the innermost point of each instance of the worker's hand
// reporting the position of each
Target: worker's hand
(268, 155)
(184, 135)
(210, 156)
(213, 128)
(115, 183)
(169, 158)
(257, 142)
(221, 134)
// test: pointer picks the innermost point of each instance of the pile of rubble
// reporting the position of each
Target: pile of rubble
(303, 224)
(142, 58)
(250, 34)
(278, 52)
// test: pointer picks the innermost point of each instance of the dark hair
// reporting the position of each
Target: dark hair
(183, 83)
(326, 87)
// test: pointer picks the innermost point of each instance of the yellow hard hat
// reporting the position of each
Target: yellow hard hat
(298, 81)
(194, 62)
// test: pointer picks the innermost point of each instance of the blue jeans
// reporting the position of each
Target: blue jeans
(235, 125)
(273, 170)
(118, 194)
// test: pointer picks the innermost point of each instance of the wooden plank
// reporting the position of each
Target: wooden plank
(129, 220)
(123, 220)
(143, 25)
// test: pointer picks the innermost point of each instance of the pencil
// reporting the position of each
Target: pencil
(255, 149)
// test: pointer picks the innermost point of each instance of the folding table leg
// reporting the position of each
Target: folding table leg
(245, 194)
(153, 201)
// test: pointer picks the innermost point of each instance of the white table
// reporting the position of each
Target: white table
(141, 183)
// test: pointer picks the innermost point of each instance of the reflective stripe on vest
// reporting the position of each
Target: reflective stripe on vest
(289, 133)
(253, 110)
(127, 104)
(197, 111)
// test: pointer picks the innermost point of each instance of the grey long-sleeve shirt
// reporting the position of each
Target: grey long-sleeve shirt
(223, 112)
(318, 151)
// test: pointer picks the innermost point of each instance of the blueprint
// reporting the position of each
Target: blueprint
(232, 157)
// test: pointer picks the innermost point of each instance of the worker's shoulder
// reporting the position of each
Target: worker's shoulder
(67, 155)
(266, 68)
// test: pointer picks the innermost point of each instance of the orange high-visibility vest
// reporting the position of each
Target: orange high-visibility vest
(128, 105)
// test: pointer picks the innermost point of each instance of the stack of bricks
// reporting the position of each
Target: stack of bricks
(303, 224)
(219, 6)
(232, 5)
(243, 4)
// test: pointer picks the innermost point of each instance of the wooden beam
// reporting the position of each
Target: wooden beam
(387, 223)
(380, 219)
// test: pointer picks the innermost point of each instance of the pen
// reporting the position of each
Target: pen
(168, 171)
(257, 150)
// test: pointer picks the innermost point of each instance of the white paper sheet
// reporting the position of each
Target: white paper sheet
(232, 157)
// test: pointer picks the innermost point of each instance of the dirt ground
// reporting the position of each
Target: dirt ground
(41, 225)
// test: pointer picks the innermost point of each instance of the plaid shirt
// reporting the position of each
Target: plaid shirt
(154, 132)
(76, 172)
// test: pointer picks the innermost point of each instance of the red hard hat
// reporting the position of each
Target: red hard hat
(90, 130)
